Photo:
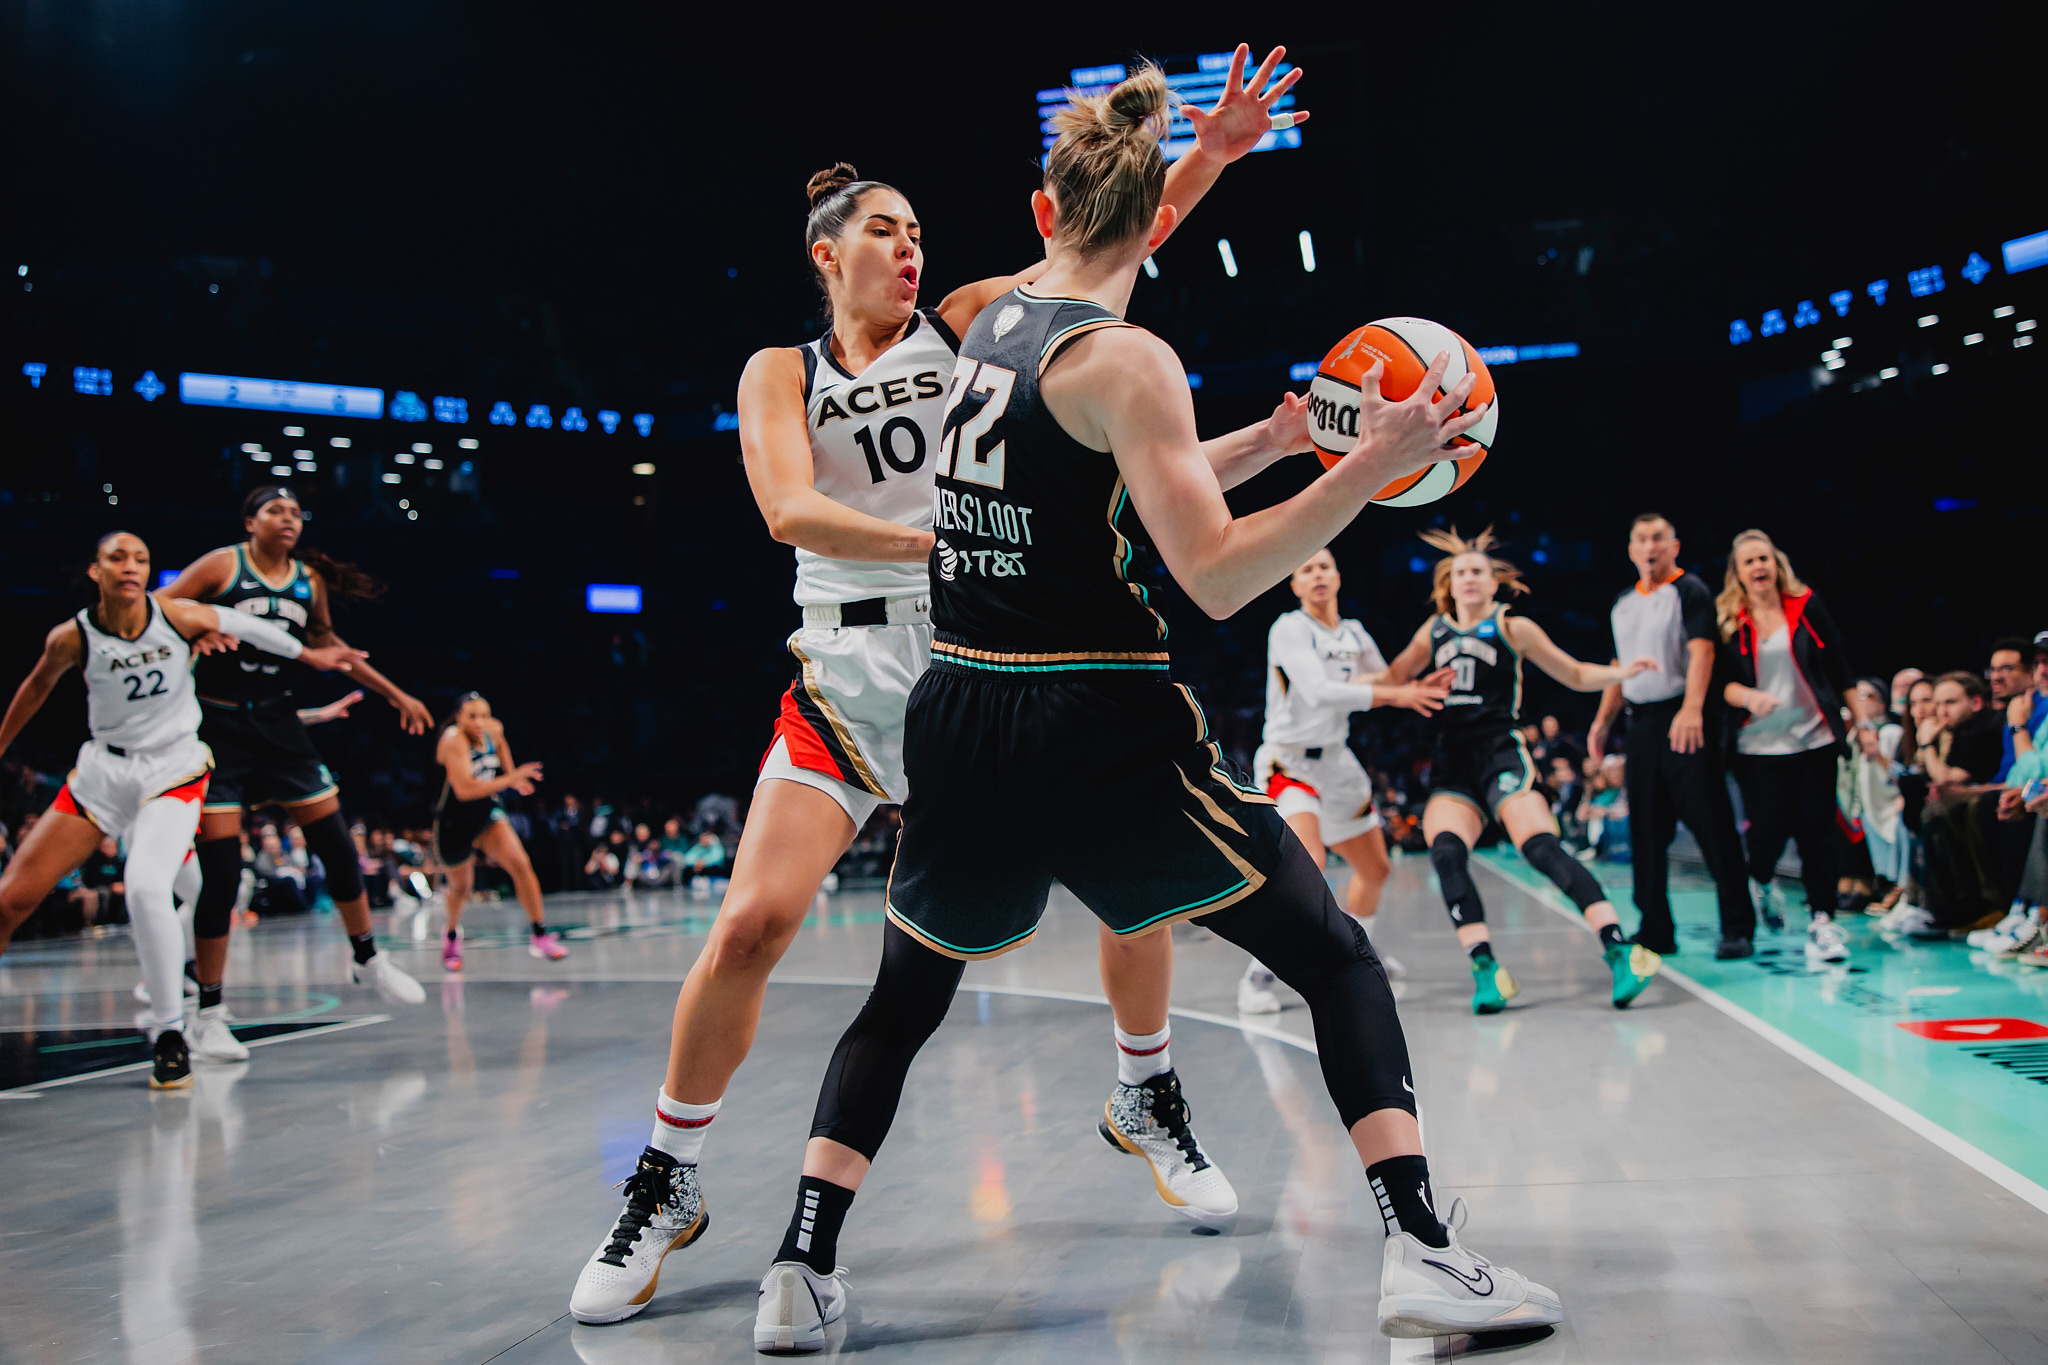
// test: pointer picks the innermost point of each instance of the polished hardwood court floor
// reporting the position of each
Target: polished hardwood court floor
(422, 1184)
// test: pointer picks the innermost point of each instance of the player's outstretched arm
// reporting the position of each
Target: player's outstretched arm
(776, 447)
(196, 618)
(1122, 390)
(60, 652)
(1247, 451)
(1538, 648)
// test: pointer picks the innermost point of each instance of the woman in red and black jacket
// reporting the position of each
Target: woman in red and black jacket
(1785, 674)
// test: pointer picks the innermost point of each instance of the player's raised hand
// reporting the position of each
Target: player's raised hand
(413, 716)
(1243, 114)
(213, 642)
(1396, 438)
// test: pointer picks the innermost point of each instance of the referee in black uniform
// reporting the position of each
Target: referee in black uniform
(1674, 773)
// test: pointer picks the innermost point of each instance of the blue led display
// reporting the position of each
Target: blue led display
(502, 414)
(725, 421)
(1774, 322)
(2025, 253)
(1194, 380)
(407, 407)
(279, 395)
(166, 577)
(89, 380)
(1976, 268)
(455, 410)
(504, 573)
(1196, 80)
(1738, 332)
(608, 419)
(1925, 282)
(150, 387)
(1877, 289)
(620, 598)
(33, 371)
(572, 420)
(643, 422)
(1805, 315)
(1302, 369)
(538, 416)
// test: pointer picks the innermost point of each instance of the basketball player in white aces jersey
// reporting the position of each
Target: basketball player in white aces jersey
(1321, 667)
(840, 438)
(142, 775)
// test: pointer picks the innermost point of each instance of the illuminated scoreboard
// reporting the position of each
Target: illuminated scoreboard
(1197, 80)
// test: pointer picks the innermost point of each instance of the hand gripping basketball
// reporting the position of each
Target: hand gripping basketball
(1399, 437)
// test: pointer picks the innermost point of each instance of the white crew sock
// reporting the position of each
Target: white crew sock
(680, 1129)
(1141, 1056)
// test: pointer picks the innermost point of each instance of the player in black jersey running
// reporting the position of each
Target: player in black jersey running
(262, 755)
(1481, 769)
(1048, 699)
(476, 764)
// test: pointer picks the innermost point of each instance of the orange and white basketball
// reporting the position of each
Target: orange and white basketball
(1405, 347)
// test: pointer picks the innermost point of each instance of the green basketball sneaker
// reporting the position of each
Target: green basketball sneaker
(1633, 965)
(1492, 987)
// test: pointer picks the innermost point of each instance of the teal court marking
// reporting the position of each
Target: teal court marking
(1984, 1102)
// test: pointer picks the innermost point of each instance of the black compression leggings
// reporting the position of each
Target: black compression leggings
(1292, 924)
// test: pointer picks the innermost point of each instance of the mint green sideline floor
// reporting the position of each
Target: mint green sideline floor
(1983, 1075)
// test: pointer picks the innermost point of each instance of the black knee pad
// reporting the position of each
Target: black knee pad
(220, 877)
(864, 1080)
(1549, 857)
(1448, 855)
(328, 840)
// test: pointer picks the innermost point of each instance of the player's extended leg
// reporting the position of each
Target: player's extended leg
(59, 842)
(1526, 818)
(1366, 855)
(218, 854)
(157, 844)
(327, 838)
(1452, 826)
(461, 877)
(1147, 1115)
(501, 841)
(794, 835)
(1255, 994)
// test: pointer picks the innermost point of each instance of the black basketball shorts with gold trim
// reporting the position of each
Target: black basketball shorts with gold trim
(1483, 769)
(1107, 782)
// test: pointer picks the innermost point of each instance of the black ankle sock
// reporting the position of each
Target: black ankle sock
(813, 1235)
(538, 929)
(209, 996)
(1401, 1184)
(365, 946)
(191, 971)
(1481, 952)
(454, 934)
(1610, 934)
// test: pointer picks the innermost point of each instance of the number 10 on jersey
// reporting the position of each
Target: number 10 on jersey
(980, 394)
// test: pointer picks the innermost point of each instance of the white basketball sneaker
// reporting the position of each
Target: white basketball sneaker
(1981, 938)
(664, 1212)
(797, 1304)
(1428, 1291)
(1151, 1121)
(213, 1041)
(1255, 991)
(388, 980)
(2022, 936)
(1825, 941)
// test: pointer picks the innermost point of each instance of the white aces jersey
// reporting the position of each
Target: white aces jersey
(1310, 694)
(874, 444)
(139, 693)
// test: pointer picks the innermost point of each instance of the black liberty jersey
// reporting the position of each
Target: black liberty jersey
(243, 676)
(1486, 691)
(485, 765)
(1032, 569)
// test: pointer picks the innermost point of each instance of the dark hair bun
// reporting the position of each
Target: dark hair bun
(827, 183)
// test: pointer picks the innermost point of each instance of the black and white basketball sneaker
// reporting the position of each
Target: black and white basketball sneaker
(664, 1212)
(1152, 1121)
(170, 1062)
(797, 1304)
(1428, 1291)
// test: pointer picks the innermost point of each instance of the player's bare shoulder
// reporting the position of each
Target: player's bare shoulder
(62, 647)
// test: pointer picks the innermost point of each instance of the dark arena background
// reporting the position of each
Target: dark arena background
(478, 282)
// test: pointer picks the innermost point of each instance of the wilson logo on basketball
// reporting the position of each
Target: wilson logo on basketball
(1331, 420)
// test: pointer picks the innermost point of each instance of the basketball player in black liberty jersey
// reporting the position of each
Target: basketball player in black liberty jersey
(1048, 700)
(1481, 770)
(261, 752)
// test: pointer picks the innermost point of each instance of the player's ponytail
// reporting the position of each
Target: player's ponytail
(835, 193)
(1505, 574)
(342, 579)
(1105, 172)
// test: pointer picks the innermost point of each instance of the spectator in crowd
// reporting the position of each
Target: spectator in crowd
(1873, 787)
(102, 893)
(1604, 810)
(303, 858)
(648, 864)
(1906, 907)
(2016, 699)
(705, 858)
(605, 868)
(1557, 742)
(280, 881)
(1570, 787)
(1786, 667)
(673, 837)
(571, 826)
(1902, 688)
(376, 887)
(1674, 739)
(1961, 749)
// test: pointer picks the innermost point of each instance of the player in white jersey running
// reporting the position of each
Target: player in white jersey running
(840, 438)
(143, 774)
(1321, 667)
